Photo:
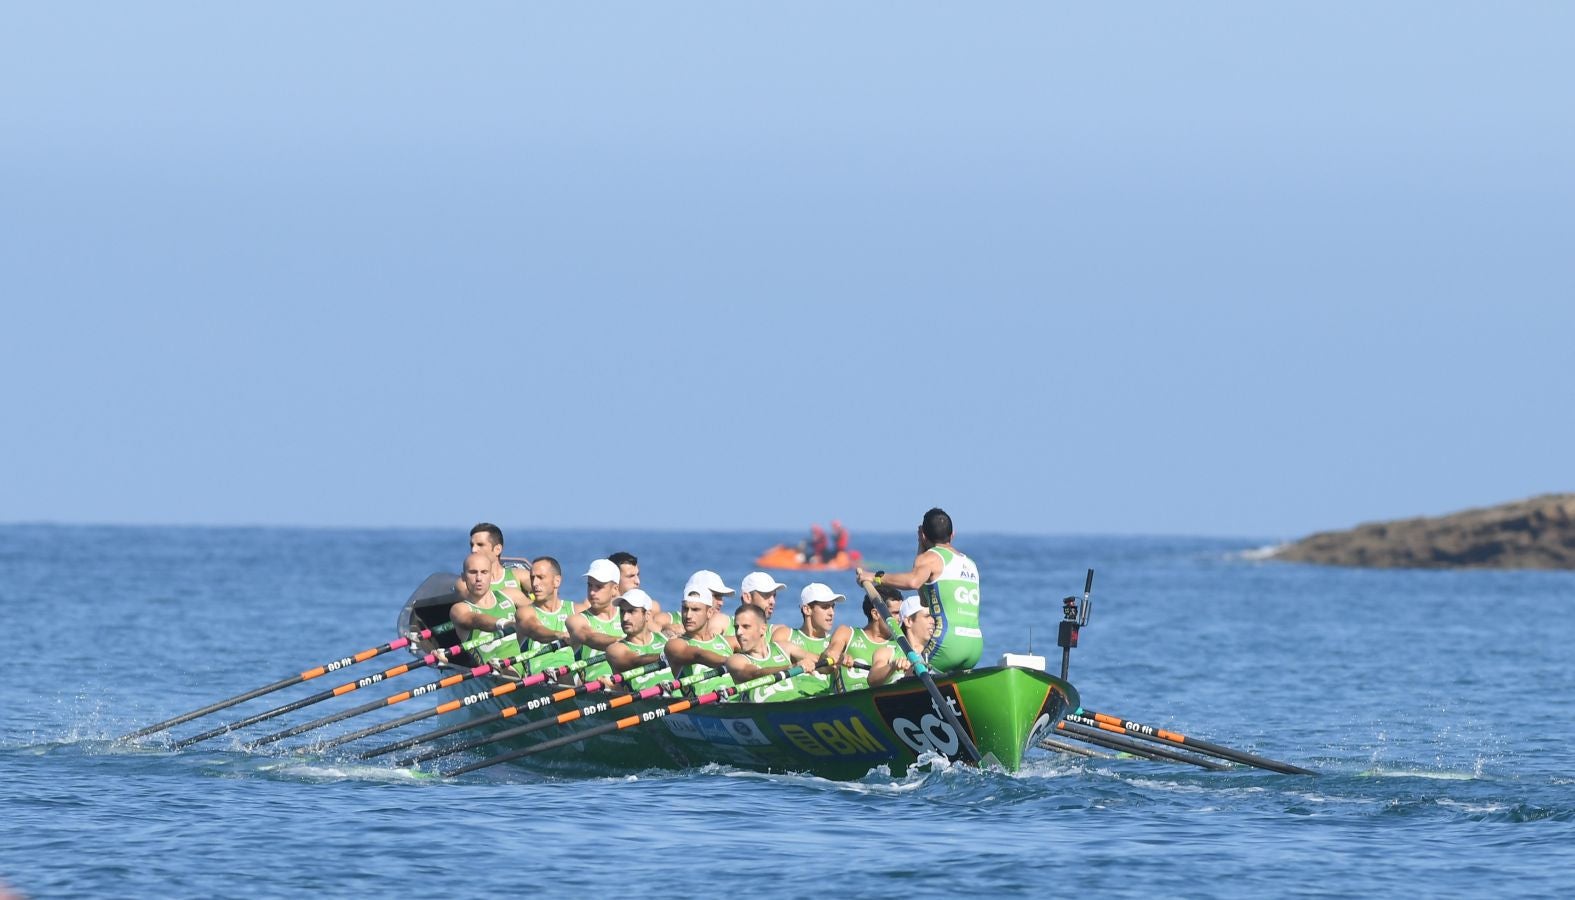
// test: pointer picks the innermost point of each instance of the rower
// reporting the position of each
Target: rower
(818, 603)
(850, 646)
(918, 626)
(701, 643)
(594, 625)
(485, 608)
(641, 644)
(487, 538)
(629, 578)
(948, 582)
(760, 589)
(759, 655)
(552, 613)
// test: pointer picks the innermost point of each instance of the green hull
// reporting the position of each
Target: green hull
(839, 736)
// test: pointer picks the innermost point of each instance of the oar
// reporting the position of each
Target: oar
(1064, 747)
(401, 697)
(649, 715)
(308, 675)
(478, 697)
(345, 688)
(1092, 719)
(458, 702)
(923, 671)
(423, 690)
(1136, 748)
(581, 712)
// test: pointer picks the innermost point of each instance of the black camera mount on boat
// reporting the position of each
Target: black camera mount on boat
(1074, 616)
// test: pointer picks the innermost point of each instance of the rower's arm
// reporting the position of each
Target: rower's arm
(886, 664)
(926, 568)
(581, 634)
(800, 656)
(679, 653)
(622, 657)
(462, 615)
(526, 622)
(742, 668)
(838, 644)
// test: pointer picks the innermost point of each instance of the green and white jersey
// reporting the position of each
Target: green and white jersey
(862, 647)
(811, 683)
(953, 599)
(640, 682)
(717, 645)
(501, 648)
(777, 691)
(557, 620)
(609, 627)
(511, 579)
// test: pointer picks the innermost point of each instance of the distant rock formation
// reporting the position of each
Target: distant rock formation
(1530, 534)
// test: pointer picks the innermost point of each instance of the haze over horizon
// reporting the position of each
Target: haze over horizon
(1225, 270)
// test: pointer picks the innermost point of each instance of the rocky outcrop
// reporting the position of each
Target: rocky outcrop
(1530, 534)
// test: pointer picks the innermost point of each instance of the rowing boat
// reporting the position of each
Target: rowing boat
(788, 559)
(1004, 709)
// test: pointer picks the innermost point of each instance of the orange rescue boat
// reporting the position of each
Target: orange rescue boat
(788, 558)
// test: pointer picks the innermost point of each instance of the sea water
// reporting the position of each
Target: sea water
(1437, 707)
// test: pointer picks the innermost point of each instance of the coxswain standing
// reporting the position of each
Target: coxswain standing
(948, 583)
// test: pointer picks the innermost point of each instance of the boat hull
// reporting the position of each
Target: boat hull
(1004, 709)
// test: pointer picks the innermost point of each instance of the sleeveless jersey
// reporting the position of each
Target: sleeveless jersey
(719, 645)
(640, 682)
(600, 626)
(777, 691)
(557, 621)
(862, 647)
(953, 599)
(811, 683)
(502, 648)
(510, 579)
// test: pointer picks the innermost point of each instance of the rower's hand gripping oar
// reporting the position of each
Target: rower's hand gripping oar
(923, 671)
(347, 687)
(642, 718)
(309, 674)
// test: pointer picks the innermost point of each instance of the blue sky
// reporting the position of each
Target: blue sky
(1220, 269)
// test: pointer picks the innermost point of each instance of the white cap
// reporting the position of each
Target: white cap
(815, 592)
(636, 598)
(705, 583)
(761, 583)
(603, 570)
(910, 605)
